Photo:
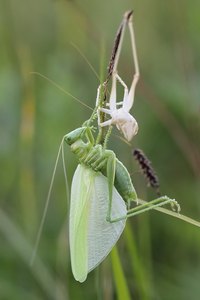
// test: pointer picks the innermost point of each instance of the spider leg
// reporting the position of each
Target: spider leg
(98, 95)
(113, 94)
(125, 89)
(105, 110)
(117, 104)
(97, 103)
(106, 123)
(119, 48)
(128, 102)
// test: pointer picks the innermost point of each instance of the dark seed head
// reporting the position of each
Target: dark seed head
(147, 169)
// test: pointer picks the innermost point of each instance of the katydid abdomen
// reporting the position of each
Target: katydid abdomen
(123, 183)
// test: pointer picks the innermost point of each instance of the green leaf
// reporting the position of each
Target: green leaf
(119, 277)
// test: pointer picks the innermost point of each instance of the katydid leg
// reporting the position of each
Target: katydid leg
(146, 207)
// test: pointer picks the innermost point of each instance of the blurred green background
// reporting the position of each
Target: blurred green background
(160, 255)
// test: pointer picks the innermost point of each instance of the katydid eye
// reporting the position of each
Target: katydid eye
(68, 140)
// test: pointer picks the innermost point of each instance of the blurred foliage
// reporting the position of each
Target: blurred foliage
(160, 255)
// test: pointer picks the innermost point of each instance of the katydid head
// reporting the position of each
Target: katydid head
(74, 135)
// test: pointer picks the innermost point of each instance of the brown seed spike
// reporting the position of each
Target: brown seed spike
(114, 51)
(126, 18)
(147, 169)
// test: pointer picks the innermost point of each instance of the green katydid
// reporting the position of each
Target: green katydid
(100, 188)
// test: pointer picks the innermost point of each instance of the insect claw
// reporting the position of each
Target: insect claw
(176, 206)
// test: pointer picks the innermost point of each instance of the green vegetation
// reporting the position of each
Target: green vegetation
(157, 256)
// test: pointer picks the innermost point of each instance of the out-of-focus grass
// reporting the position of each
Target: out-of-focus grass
(159, 255)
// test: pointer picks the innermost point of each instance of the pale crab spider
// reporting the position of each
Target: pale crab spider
(120, 116)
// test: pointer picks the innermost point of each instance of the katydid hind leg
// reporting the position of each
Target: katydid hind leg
(161, 201)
